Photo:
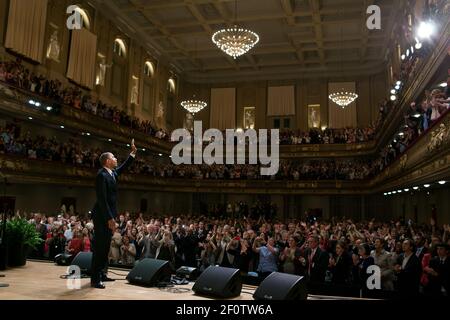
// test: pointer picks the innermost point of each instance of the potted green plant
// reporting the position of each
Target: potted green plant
(21, 237)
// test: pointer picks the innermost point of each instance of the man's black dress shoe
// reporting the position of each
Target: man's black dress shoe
(106, 279)
(98, 285)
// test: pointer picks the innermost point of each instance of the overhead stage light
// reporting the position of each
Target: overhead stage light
(416, 188)
(442, 182)
(426, 185)
(425, 30)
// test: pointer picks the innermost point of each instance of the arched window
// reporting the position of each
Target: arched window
(119, 48)
(171, 85)
(149, 69)
(85, 20)
(170, 105)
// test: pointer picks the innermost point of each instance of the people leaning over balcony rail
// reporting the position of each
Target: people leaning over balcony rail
(15, 74)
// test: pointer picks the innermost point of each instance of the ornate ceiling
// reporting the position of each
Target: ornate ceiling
(299, 38)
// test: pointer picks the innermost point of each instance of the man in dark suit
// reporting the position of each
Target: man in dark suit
(439, 272)
(105, 213)
(315, 261)
(408, 270)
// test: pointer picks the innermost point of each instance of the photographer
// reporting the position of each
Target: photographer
(207, 255)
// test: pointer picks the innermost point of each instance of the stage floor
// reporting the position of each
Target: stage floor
(42, 281)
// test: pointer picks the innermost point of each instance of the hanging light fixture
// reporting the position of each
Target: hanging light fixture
(193, 105)
(343, 98)
(235, 41)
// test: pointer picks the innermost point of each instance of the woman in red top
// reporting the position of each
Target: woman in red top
(76, 244)
(86, 240)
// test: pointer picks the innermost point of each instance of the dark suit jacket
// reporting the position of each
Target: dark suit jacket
(342, 270)
(319, 265)
(443, 278)
(106, 188)
(408, 279)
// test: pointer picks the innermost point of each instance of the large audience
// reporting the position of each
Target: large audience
(72, 152)
(413, 258)
(327, 136)
(16, 74)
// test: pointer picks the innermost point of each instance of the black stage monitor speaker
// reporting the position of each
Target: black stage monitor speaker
(188, 273)
(83, 260)
(282, 286)
(149, 272)
(219, 282)
(63, 259)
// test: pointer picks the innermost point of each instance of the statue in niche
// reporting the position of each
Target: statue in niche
(101, 75)
(160, 114)
(54, 49)
(189, 122)
(134, 93)
(249, 118)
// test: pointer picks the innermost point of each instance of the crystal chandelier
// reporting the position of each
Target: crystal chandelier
(193, 106)
(342, 98)
(235, 41)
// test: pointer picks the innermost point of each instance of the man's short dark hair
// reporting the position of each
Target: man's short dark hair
(105, 156)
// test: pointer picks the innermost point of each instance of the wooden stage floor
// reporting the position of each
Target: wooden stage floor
(42, 281)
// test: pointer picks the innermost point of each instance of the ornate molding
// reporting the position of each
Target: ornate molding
(439, 137)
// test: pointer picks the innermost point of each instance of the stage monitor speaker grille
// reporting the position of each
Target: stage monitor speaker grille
(219, 282)
(150, 272)
(84, 261)
(282, 286)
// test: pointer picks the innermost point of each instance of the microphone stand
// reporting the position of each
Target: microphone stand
(3, 246)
